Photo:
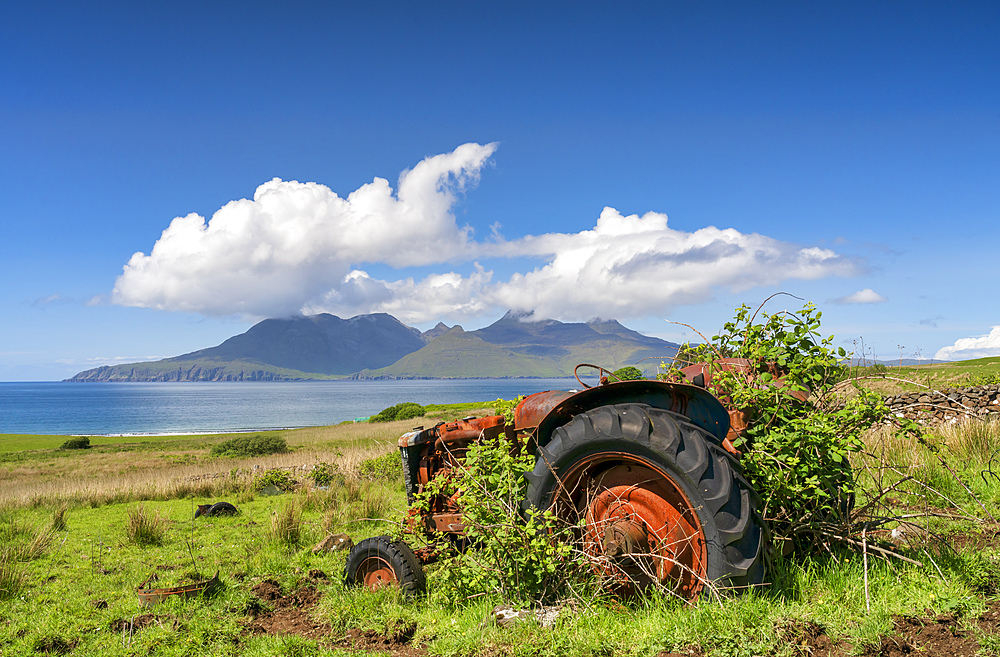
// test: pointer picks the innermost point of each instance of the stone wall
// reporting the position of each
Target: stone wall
(248, 473)
(949, 405)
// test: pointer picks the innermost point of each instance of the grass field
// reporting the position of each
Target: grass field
(69, 568)
(893, 379)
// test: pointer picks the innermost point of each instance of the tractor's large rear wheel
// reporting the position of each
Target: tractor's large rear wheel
(663, 503)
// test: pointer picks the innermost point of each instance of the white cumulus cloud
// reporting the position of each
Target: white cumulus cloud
(295, 242)
(632, 266)
(437, 297)
(299, 247)
(982, 346)
(866, 295)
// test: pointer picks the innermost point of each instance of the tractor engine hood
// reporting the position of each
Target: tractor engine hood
(551, 409)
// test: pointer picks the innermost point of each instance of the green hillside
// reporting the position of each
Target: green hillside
(204, 369)
(458, 354)
(306, 347)
(908, 378)
(378, 345)
(461, 354)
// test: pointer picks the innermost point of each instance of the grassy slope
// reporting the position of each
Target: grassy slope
(12, 442)
(934, 375)
(33, 467)
(611, 355)
(461, 355)
(161, 369)
(93, 561)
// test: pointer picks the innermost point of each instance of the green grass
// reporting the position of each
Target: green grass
(21, 442)
(58, 599)
(934, 375)
(95, 561)
(206, 369)
(15, 442)
(145, 526)
(450, 412)
(72, 586)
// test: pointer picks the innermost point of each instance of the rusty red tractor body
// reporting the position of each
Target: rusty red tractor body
(649, 465)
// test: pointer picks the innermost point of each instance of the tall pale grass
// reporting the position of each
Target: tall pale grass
(972, 441)
(286, 524)
(95, 479)
(59, 517)
(19, 542)
(940, 469)
(12, 576)
(145, 526)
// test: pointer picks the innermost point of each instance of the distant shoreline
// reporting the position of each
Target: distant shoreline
(345, 379)
(170, 434)
(187, 408)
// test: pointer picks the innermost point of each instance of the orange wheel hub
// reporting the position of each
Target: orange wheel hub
(639, 524)
(376, 573)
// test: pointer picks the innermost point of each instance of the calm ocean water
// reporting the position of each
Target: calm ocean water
(154, 408)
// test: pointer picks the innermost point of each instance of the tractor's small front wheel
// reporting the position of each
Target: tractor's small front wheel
(380, 561)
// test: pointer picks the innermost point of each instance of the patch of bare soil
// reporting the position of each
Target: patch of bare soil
(944, 636)
(273, 612)
(398, 644)
(988, 536)
(809, 639)
(55, 645)
(285, 614)
(136, 623)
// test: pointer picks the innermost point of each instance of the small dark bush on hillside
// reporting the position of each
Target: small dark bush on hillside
(992, 378)
(276, 477)
(81, 442)
(628, 373)
(325, 474)
(255, 445)
(388, 467)
(404, 411)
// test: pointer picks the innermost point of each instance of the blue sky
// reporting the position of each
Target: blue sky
(643, 161)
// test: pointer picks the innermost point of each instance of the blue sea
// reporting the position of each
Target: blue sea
(168, 408)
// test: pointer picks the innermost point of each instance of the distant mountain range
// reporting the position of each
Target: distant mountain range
(379, 346)
(904, 362)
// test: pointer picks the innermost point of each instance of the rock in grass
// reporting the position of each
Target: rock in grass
(334, 543)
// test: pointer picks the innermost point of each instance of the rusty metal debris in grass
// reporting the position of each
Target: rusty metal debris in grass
(150, 596)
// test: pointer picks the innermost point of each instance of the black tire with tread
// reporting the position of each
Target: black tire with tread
(738, 542)
(397, 554)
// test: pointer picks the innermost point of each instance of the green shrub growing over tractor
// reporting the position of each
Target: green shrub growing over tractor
(675, 484)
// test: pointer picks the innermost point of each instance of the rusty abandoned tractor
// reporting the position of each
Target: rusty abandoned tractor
(649, 465)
